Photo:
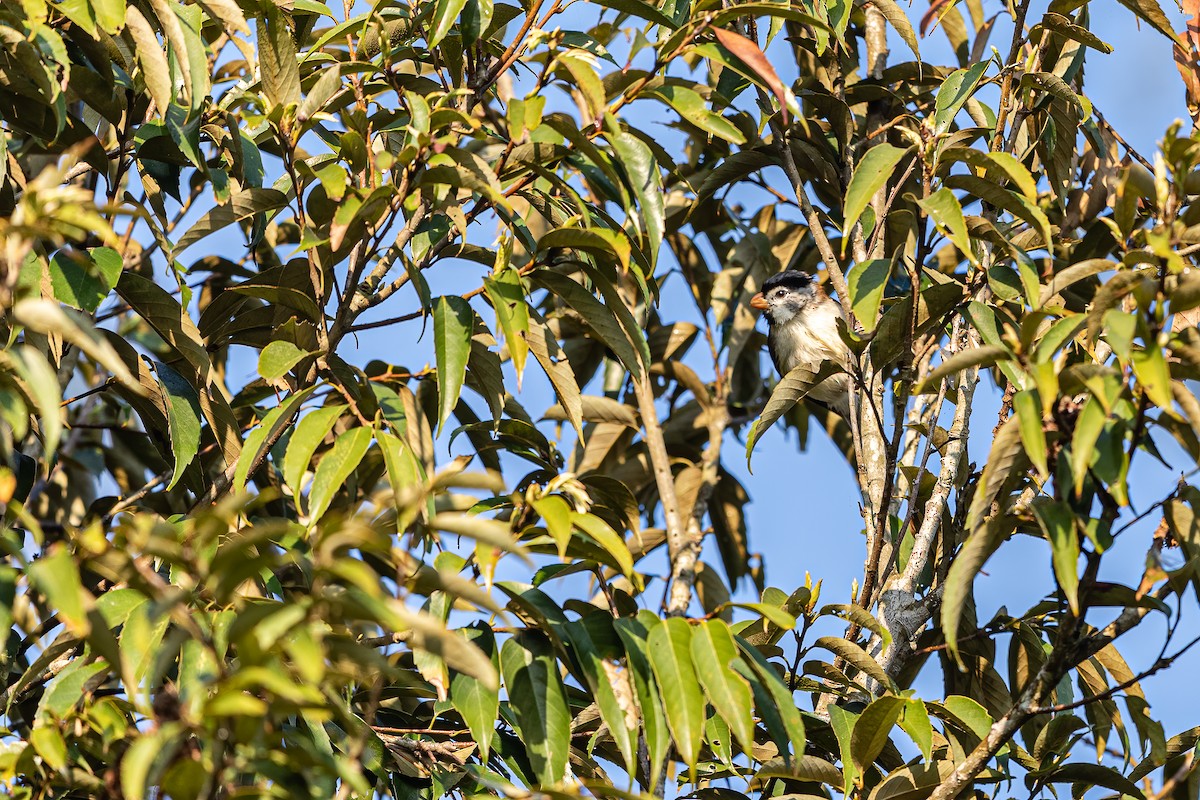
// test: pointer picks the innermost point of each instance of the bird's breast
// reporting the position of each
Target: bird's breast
(808, 339)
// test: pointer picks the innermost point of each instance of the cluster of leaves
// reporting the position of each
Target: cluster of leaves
(282, 585)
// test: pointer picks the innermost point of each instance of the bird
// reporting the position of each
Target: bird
(803, 332)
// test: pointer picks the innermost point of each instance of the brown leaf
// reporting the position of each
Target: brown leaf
(1186, 319)
(756, 59)
(931, 18)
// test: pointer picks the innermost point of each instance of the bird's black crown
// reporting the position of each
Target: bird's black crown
(792, 279)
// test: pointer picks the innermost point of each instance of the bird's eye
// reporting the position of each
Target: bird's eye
(781, 293)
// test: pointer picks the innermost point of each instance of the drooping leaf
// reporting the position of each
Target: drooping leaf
(643, 172)
(512, 313)
(713, 656)
(57, 577)
(753, 56)
(277, 58)
(549, 355)
(335, 467)
(873, 729)
(453, 324)
(789, 391)
(278, 358)
(956, 89)
(1057, 522)
(980, 545)
(611, 689)
(1029, 416)
(655, 731)
(478, 703)
(670, 648)
(182, 402)
(945, 210)
(870, 175)
(539, 703)
(866, 283)
(306, 437)
(855, 655)
(41, 382)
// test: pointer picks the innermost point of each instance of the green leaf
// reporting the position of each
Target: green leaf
(713, 655)
(307, 436)
(857, 657)
(773, 614)
(1090, 776)
(692, 107)
(278, 358)
(866, 283)
(116, 605)
(152, 61)
(916, 724)
(1029, 415)
(453, 324)
(549, 355)
(57, 577)
(1152, 12)
(1005, 460)
(183, 418)
(841, 720)
(335, 467)
(48, 743)
(1088, 427)
(1153, 374)
(979, 546)
(475, 20)
(539, 703)
(48, 317)
(277, 58)
(602, 534)
(971, 713)
(670, 645)
(445, 13)
(873, 729)
(780, 703)
(953, 95)
(242, 205)
(321, 93)
(899, 20)
(478, 703)
(859, 616)
(1057, 522)
(655, 732)
(512, 313)
(596, 315)
(406, 476)
(66, 690)
(41, 382)
(278, 417)
(1017, 205)
(801, 768)
(82, 280)
(789, 391)
(1063, 25)
(609, 245)
(870, 175)
(492, 532)
(638, 8)
(945, 210)
(913, 783)
(611, 690)
(733, 169)
(146, 758)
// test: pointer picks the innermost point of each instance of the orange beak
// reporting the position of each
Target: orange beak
(759, 302)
